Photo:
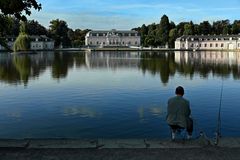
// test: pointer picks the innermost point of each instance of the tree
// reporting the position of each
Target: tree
(163, 30)
(172, 25)
(221, 27)
(59, 32)
(188, 29)
(78, 37)
(17, 7)
(151, 36)
(34, 28)
(143, 33)
(180, 28)
(22, 42)
(236, 27)
(205, 28)
(196, 29)
(173, 35)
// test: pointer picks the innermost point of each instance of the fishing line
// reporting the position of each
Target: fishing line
(218, 129)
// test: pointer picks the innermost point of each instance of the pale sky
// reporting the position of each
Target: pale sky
(127, 14)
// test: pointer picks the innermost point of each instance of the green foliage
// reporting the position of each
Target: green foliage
(173, 35)
(159, 34)
(236, 27)
(163, 30)
(205, 28)
(22, 43)
(189, 29)
(22, 28)
(34, 28)
(59, 32)
(77, 37)
(19, 7)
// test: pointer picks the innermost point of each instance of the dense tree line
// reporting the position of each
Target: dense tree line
(167, 31)
(58, 30)
(12, 12)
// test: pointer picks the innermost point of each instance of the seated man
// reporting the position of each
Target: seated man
(178, 113)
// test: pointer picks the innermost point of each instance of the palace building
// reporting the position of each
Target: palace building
(41, 42)
(112, 38)
(208, 42)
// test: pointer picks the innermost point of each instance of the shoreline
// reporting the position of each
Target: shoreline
(201, 142)
(118, 149)
(124, 49)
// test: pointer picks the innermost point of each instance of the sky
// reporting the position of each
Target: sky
(128, 14)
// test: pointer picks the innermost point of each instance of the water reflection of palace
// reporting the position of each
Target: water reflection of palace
(19, 69)
(208, 57)
(112, 60)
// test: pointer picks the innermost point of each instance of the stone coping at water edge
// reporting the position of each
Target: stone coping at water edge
(117, 143)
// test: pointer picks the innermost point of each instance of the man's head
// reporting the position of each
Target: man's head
(179, 91)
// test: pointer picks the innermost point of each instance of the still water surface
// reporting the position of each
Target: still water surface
(115, 94)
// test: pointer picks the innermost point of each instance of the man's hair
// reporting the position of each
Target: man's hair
(179, 90)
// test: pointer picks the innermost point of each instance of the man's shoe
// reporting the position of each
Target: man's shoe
(173, 136)
(189, 137)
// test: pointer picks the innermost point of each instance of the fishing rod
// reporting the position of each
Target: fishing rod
(218, 129)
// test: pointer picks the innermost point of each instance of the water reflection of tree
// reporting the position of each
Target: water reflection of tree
(8, 72)
(20, 68)
(163, 63)
(159, 63)
(64, 61)
(23, 66)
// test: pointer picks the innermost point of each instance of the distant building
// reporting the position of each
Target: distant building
(41, 43)
(208, 42)
(36, 42)
(112, 38)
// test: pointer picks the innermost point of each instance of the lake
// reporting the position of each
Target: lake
(115, 94)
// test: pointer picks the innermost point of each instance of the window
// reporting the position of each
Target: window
(122, 42)
(183, 45)
(103, 42)
(205, 44)
(200, 45)
(90, 42)
(97, 42)
(216, 45)
(210, 44)
(192, 45)
(129, 42)
(136, 43)
(222, 45)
